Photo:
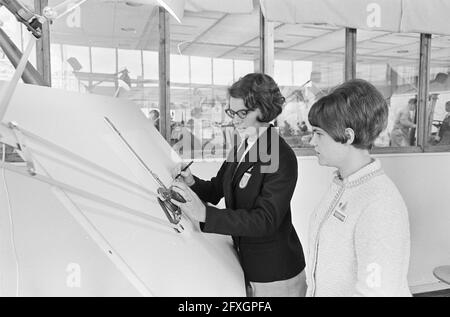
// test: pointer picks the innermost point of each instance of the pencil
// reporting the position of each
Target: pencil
(184, 169)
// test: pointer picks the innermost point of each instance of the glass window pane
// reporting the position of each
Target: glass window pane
(103, 60)
(132, 61)
(56, 65)
(19, 36)
(101, 46)
(179, 69)
(214, 49)
(305, 73)
(81, 54)
(439, 104)
(12, 27)
(242, 68)
(302, 71)
(283, 73)
(150, 87)
(201, 70)
(6, 68)
(77, 61)
(223, 71)
(151, 65)
(390, 61)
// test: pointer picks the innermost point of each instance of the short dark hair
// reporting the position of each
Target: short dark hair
(154, 111)
(259, 91)
(355, 104)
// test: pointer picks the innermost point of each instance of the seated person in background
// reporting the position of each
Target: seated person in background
(359, 240)
(443, 137)
(303, 127)
(154, 117)
(400, 135)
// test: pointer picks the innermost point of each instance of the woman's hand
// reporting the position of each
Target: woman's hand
(185, 176)
(194, 208)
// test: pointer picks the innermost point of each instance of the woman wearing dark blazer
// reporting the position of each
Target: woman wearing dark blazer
(257, 181)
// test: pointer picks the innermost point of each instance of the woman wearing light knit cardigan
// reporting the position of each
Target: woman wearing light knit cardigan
(359, 243)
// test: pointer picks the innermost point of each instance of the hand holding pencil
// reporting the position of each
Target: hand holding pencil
(182, 173)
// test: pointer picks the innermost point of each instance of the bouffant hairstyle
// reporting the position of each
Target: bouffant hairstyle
(259, 91)
(356, 104)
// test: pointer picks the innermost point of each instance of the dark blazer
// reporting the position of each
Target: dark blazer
(258, 211)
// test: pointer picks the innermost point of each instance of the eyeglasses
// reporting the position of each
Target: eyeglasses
(241, 113)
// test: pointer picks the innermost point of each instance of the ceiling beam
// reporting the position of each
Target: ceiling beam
(245, 43)
(306, 42)
(189, 44)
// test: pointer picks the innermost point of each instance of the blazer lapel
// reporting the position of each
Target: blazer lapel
(254, 155)
(241, 169)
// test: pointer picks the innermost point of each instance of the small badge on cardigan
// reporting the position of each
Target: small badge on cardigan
(339, 213)
(245, 178)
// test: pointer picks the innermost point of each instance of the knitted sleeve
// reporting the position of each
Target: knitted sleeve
(382, 245)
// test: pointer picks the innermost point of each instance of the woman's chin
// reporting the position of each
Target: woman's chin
(321, 160)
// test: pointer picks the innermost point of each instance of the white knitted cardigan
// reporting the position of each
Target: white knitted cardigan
(359, 242)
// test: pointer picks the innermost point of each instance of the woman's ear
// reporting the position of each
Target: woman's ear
(260, 115)
(350, 136)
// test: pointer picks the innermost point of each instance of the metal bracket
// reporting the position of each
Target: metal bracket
(172, 213)
(22, 147)
(32, 21)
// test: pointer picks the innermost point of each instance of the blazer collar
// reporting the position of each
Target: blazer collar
(262, 145)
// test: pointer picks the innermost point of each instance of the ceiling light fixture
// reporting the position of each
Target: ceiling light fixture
(179, 46)
(134, 4)
(128, 29)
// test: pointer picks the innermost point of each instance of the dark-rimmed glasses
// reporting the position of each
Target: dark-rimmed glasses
(241, 113)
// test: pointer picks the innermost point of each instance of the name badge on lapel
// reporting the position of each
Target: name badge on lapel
(339, 213)
(245, 178)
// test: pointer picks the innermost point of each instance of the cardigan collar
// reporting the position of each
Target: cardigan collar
(361, 176)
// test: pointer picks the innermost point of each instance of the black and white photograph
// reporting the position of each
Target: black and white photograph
(224, 154)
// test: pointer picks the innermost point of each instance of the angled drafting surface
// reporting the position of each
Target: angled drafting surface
(89, 223)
